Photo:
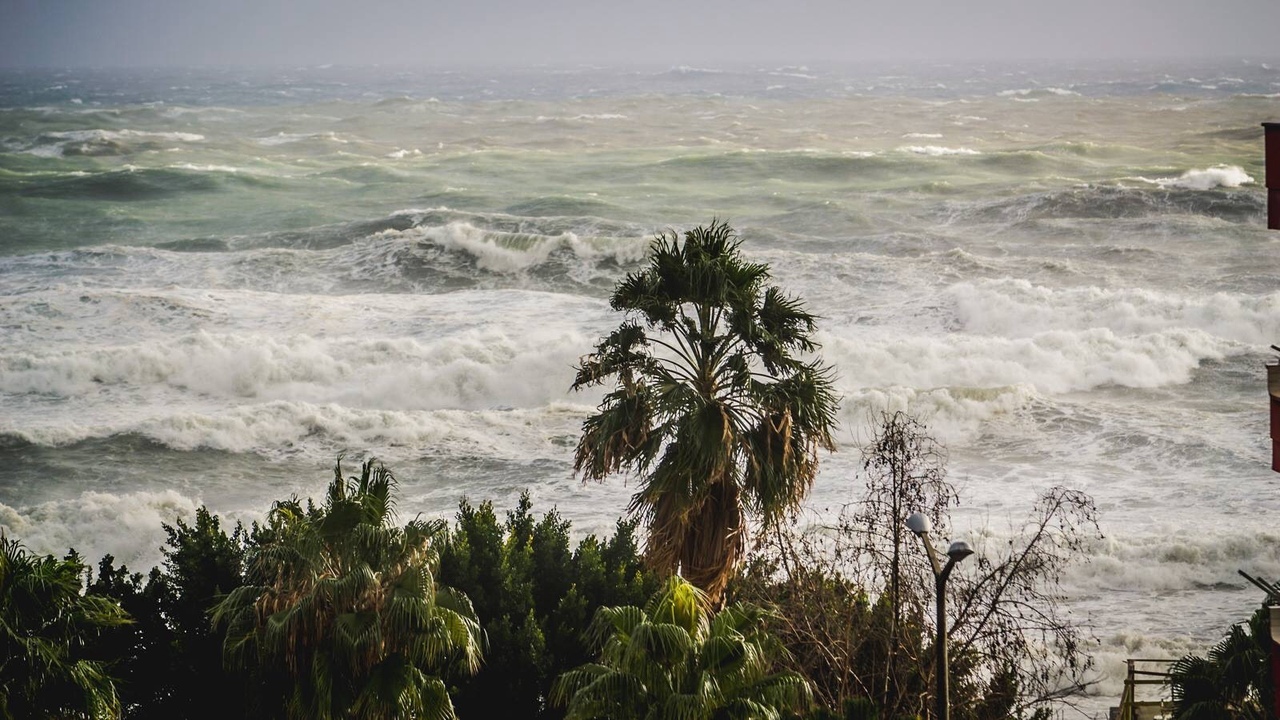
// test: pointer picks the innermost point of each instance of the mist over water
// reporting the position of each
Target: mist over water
(214, 282)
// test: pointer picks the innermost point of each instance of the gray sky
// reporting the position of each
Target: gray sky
(657, 32)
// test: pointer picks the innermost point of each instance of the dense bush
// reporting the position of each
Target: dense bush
(535, 597)
(168, 662)
(533, 590)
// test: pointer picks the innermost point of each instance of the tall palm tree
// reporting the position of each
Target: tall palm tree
(676, 660)
(344, 605)
(1232, 682)
(44, 623)
(711, 405)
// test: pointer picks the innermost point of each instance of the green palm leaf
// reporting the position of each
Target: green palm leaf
(676, 659)
(712, 404)
(345, 603)
(45, 622)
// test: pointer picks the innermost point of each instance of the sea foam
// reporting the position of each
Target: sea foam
(1012, 308)
(1225, 176)
(937, 150)
(126, 525)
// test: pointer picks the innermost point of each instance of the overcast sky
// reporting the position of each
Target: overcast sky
(659, 32)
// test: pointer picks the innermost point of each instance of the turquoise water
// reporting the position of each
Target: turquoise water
(213, 282)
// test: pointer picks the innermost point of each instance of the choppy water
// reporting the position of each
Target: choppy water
(211, 283)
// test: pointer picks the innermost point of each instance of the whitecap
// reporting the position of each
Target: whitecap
(937, 150)
(1225, 176)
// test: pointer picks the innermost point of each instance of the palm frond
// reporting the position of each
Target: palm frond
(712, 404)
(345, 603)
(678, 659)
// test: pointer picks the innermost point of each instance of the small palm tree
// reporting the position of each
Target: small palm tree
(711, 405)
(1231, 682)
(345, 606)
(676, 660)
(44, 623)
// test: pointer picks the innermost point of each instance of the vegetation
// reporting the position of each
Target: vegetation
(535, 596)
(168, 661)
(1233, 682)
(711, 403)
(676, 659)
(336, 611)
(45, 625)
(345, 605)
(864, 644)
(534, 593)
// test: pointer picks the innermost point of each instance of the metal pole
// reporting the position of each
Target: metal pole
(940, 574)
(958, 551)
(944, 666)
(944, 700)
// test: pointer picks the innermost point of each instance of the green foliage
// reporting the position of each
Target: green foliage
(1233, 681)
(535, 596)
(169, 660)
(45, 624)
(711, 403)
(676, 659)
(346, 606)
(534, 589)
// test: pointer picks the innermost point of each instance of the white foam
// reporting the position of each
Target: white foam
(1019, 309)
(284, 429)
(474, 368)
(691, 70)
(1024, 92)
(956, 416)
(513, 252)
(101, 135)
(61, 140)
(197, 167)
(283, 138)
(1227, 176)
(1056, 361)
(922, 136)
(126, 525)
(937, 151)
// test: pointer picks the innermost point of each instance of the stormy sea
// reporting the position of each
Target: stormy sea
(213, 282)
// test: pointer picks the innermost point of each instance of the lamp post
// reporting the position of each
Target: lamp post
(959, 550)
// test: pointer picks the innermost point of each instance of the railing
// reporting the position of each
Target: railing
(1131, 708)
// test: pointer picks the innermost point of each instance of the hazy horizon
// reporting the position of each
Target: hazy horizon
(493, 33)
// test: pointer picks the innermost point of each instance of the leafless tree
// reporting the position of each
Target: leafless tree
(856, 595)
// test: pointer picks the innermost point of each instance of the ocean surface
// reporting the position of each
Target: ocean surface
(213, 282)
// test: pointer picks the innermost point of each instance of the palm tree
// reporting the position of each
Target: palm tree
(1233, 682)
(44, 623)
(711, 405)
(344, 605)
(674, 659)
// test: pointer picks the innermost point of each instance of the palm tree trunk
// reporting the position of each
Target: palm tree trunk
(714, 541)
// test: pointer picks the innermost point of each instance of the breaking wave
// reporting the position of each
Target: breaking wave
(1111, 202)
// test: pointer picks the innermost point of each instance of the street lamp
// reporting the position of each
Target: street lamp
(959, 550)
